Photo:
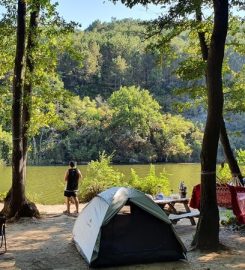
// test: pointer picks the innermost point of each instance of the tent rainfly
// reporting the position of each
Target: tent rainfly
(124, 226)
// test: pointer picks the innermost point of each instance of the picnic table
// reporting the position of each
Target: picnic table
(169, 205)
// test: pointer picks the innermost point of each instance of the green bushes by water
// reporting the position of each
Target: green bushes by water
(240, 154)
(224, 175)
(100, 175)
(151, 183)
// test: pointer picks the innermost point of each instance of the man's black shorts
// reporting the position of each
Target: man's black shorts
(68, 193)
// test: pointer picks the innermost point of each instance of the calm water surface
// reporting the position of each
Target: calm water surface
(46, 184)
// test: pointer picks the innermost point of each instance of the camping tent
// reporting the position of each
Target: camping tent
(124, 226)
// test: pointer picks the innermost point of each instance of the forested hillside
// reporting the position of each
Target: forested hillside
(115, 54)
(112, 91)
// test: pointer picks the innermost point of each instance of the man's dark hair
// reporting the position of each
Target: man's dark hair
(72, 164)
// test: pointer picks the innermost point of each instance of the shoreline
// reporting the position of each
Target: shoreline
(53, 208)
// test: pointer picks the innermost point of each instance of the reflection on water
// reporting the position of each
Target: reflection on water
(46, 184)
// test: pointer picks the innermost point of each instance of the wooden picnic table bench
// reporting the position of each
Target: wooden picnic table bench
(169, 206)
(190, 215)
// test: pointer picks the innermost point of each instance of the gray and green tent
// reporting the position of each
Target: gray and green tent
(124, 226)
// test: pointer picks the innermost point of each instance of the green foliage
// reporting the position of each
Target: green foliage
(5, 146)
(178, 138)
(130, 125)
(114, 55)
(134, 179)
(46, 100)
(99, 176)
(227, 217)
(82, 112)
(152, 183)
(192, 68)
(224, 174)
(134, 109)
(240, 156)
(137, 125)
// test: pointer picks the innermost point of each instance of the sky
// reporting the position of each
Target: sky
(87, 11)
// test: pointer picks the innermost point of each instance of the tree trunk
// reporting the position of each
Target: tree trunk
(234, 168)
(18, 187)
(15, 203)
(206, 238)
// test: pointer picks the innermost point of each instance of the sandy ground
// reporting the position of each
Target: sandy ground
(46, 243)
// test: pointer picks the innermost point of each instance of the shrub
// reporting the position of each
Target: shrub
(152, 183)
(240, 156)
(224, 174)
(99, 176)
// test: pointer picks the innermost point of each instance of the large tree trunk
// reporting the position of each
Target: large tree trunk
(16, 204)
(230, 158)
(206, 238)
(18, 187)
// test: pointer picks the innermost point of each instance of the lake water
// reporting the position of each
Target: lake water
(46, 184)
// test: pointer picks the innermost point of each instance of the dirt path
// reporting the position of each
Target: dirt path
(47, 244)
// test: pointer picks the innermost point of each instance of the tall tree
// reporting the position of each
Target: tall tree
(207, 235)
(18, 188)
(209, 217)
(201, 27)
(224, 139)
(18, 202)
